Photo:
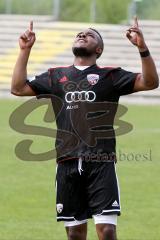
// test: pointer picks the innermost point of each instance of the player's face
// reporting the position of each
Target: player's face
(86, 42)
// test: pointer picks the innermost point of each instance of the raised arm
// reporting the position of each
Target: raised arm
(18, 85)
(149, 78)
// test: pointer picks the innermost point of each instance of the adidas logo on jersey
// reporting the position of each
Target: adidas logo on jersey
(115, 204)
(63, 79)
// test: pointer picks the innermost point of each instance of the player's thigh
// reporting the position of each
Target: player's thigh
(78, 232)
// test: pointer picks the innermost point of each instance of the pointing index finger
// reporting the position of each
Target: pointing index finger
(31, 26)
(136, 21)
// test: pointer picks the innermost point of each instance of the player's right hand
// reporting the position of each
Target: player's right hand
(28, 38)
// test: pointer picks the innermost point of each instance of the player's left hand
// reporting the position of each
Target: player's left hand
(135, 35)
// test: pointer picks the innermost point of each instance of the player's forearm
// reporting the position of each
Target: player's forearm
(149, 72)
(20, 71)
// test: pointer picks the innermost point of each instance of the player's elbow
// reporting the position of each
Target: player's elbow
(22, 90)
(155, 83)
(152, 83)
(15, 91)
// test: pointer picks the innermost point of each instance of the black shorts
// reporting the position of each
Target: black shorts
(93, 190)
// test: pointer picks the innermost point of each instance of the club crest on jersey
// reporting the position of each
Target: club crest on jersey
(93, 78)
(59, 207)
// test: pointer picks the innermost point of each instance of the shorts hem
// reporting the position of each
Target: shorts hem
(109, 212)
(74, 223)
(67, 219)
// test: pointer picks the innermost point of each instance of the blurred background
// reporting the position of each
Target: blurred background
(57, 21)
(27, 191)
(98, 11)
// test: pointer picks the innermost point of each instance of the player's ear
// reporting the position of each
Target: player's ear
(99, 50)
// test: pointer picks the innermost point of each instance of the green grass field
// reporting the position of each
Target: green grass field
(27, 193)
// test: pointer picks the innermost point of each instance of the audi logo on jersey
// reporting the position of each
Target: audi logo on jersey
(80, 96)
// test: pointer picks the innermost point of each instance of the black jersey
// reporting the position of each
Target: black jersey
(85, 104)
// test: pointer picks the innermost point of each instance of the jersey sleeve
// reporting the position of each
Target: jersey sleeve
(123, 81)
(40, 84)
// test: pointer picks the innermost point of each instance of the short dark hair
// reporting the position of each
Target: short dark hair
(101, 43)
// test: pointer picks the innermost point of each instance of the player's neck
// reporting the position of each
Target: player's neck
(79, 61)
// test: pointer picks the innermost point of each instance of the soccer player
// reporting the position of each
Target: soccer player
(87, 185)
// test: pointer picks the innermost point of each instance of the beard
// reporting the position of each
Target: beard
(82, 52)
